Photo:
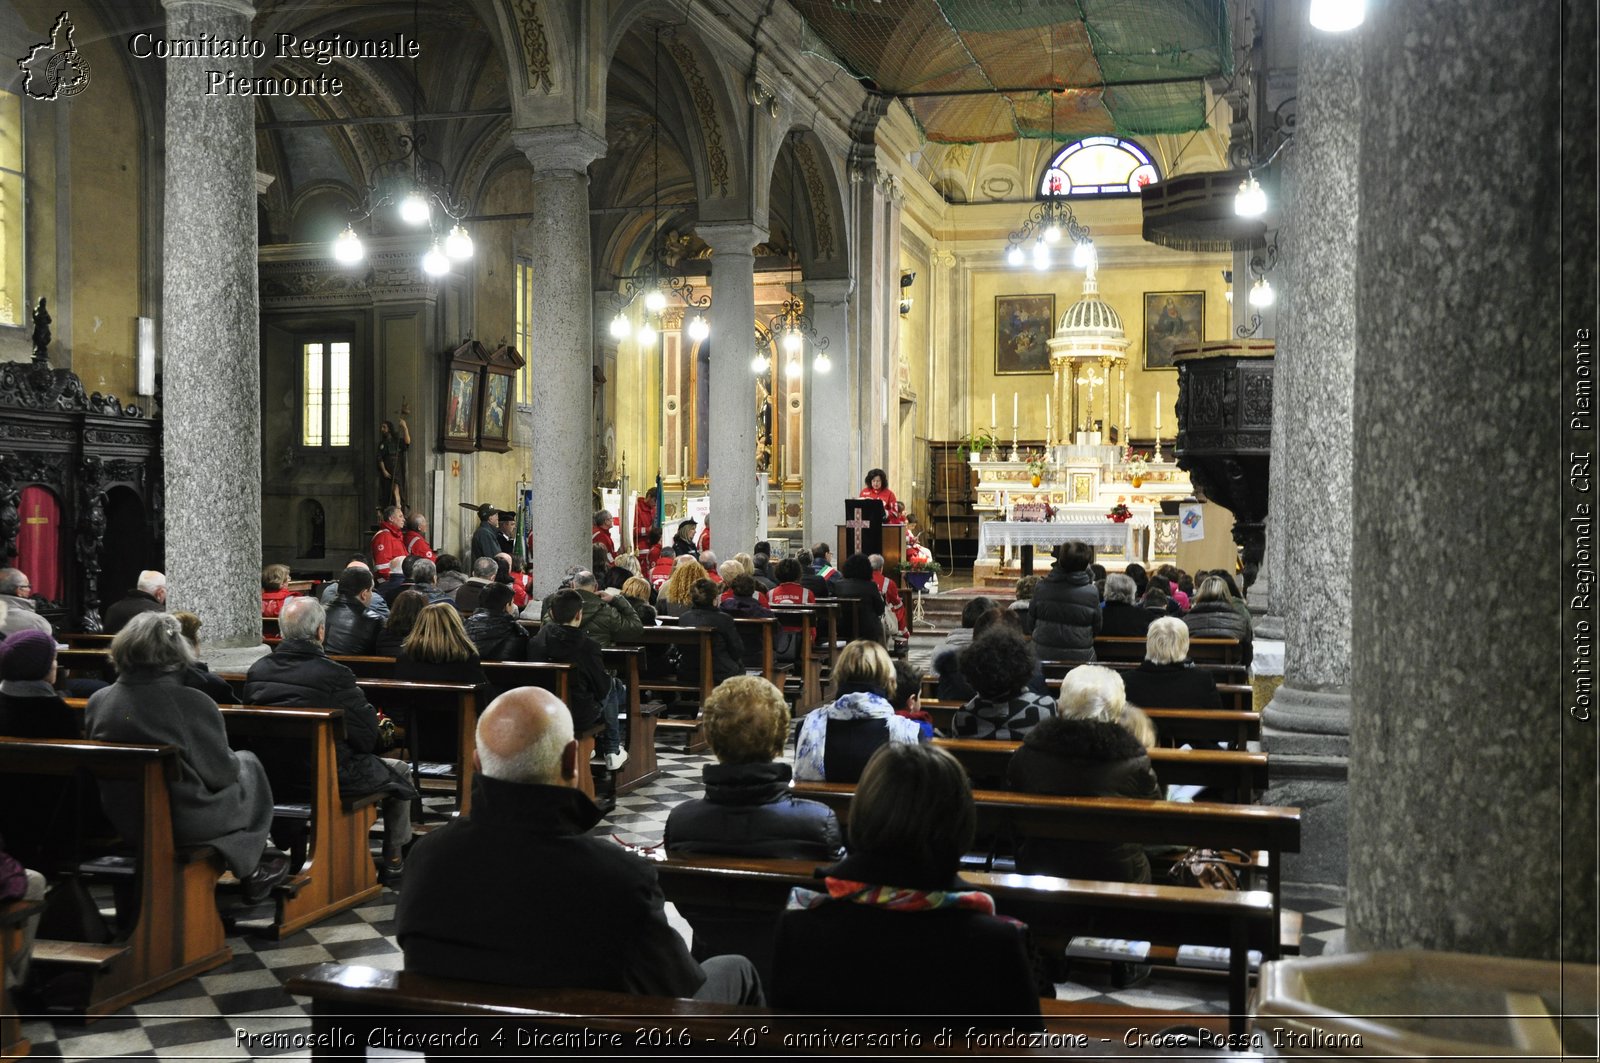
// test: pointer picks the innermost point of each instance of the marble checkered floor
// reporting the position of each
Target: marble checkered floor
(199, 1019)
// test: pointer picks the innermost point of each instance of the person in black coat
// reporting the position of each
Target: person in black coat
(408, 605)
(727, 648)
(855, 581)
(748, 810)
(1214, 616)
(519, 893)
(353, 626)
(1066, 607)
(493, 628)
(592, 693)
(149, 596)
(845, 951)
(819, 586)
(1121, 616)
(438, 651)
(297, 672)
(30, 706)
(1083, 752)
(1166, 679)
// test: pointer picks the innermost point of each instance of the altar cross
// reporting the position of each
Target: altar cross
(857, 524)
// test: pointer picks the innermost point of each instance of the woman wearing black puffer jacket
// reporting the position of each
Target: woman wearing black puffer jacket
(1213, 616)
(1066, 607)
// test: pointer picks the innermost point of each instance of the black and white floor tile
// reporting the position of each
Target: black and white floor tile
(201, 1018)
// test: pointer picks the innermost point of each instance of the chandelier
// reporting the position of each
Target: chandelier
(791, 328)
(658, 290)
(416, 184)
(1046, 226)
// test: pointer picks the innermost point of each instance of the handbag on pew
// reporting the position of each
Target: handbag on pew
(1212, 869)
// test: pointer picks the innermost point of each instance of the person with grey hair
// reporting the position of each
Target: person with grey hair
(518, 892)
(297, 672)
(608, 615)
(220, 798)
(148, 595)
(15, 595)
(424, 577)
(602, 534)
(1166, 678)
(709, 562)
(1123, 616)
(470, 592)
(1212, 616)
(1084, 751)
(330, 589)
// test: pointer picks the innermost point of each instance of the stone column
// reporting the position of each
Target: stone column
(1459, 742)
(562, 342)
(831, 464)
(735, 524)
(1306, 727)
(211, 391)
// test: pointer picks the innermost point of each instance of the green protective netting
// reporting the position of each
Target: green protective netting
(978, 71)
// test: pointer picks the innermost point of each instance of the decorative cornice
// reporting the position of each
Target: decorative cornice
(32, 386)
(819, 200)
(535, 45)
(705, 106)
(559, 149)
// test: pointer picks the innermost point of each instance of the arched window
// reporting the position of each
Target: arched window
(1098, 166)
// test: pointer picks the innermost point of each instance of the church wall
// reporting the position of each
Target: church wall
(917, 418)
(85, 181)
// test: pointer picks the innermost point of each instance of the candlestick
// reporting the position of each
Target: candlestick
(1047, 418)
(1013, 409)
(1158, 417)
(993, 417)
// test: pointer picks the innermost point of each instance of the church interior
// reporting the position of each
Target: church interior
(1194, 280)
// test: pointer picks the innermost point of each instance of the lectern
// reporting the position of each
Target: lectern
(864, 532)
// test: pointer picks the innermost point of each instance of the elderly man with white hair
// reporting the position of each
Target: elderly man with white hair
(1166, 678)
(149, 595)
(519, 893)
(16, 599)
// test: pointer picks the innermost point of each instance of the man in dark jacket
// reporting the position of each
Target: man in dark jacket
(470, 593)
(486, 540)
(1066, 607)
(748, 810)
(516, 893)
(608, 615)
(353, 626)
(592, 693)
(494, 628)
(298, 673)
(149, 596)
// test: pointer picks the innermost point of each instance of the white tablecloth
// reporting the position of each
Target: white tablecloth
(1102, 534)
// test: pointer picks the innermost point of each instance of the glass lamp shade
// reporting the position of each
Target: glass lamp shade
(347, 248)
(647, 335)
(1015, 257)
(1052, 235)
(435, 263)
(1083, 256)
(655, 302)
(414, 209)
(458, 244)
(822, 363)
(792, 341)
(1251, 202)
(1041, 255)
(760, 364)
(1338, 16)
(1261, 294)
(699, 329)
(620, 327)
(792, 369)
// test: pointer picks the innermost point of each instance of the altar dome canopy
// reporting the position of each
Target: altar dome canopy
(1090, 325)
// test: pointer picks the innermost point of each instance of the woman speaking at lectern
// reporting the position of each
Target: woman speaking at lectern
(878, 487)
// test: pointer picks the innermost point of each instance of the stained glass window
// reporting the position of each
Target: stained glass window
(1099, 166)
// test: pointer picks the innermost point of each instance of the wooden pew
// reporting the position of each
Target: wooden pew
(175, 931)
(1173, 726)
(1239, 775)
(1055, 909)
(351, 1004)
(760, 635)
(1269, 830)
(413, 701)
(690, 640)
(1131, 648)
(642, 766)
(88, 640)
(13, 914)
(84, 663)
(804, 619)
(1231, 679)
(338, 872)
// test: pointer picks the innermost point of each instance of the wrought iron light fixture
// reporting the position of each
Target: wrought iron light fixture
(791, 328)
(416, 183)
(1049, 222)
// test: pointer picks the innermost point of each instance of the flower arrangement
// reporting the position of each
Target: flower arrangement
(1119, 513)
(921, 563)
(1038, 465)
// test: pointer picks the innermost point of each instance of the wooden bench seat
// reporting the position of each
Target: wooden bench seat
(1236, 696)
(1239, 775)
(1055, 909)
(174, 931)
(803, 619)
(1201, 651)
(1007, 817)
(13, 916)
(1173, 726)
(690, 640)
(349, 1004)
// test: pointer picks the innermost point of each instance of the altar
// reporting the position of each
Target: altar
(1068, 493)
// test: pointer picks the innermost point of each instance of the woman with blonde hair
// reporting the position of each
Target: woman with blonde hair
(674, 598)
(438, 650)
(637, 590)
(623, 568)
(837, 739)
(274, 589)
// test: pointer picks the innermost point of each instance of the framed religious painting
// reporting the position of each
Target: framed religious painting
(1172, 320)
(463, 388)
(1023, 325)
(494, 419)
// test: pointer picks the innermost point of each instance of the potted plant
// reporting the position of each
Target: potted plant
(1137, 468)
(1120, 514)
(974, 443)
(919, 572)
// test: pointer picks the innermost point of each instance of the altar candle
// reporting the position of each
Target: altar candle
(1047, 414)
(1126, 424)
(1013, 409)
(684, 468)
(992, 420)
(1158, 415)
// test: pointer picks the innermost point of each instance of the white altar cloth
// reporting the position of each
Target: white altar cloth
(1010, 534)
